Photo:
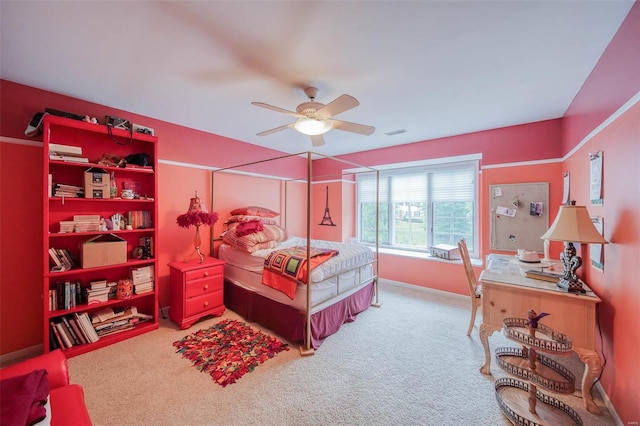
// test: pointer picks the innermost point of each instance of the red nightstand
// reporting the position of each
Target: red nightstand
(197, 290)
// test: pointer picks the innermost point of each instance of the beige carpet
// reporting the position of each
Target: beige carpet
(406, 363)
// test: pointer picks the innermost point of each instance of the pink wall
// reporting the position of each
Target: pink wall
(616, 286)
(613, 82)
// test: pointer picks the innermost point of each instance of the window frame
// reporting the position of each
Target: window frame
(426, 166)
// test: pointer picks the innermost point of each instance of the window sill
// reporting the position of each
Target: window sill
(424, 256)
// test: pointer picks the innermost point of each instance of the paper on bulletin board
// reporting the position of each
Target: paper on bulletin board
(595, 250)
(506, 211)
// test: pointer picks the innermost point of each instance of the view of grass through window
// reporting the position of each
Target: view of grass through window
(438, 208)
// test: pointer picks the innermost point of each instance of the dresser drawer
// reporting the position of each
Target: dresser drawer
(203, 286)
(207, 301)
(204, 272)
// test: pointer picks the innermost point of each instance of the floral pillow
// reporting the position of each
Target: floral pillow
(247, 218)
(269, 237)
(255, 211)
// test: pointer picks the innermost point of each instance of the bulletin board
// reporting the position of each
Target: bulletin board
(519, 215)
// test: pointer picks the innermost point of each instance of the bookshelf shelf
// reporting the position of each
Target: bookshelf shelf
(107, 168)
(139, 329)
(92, 234)
(94, 307)
(93, 142)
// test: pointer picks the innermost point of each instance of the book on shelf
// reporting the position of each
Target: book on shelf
(106, 314)
(85, 323)
(143, 288)
(98, 295)
(55, 259)
(57, 335)
(65, 149)
(78, 330)
(98, 284)
(142, 274)
(67, 325)
(128, 313)
(543, 275)
(68, 158)
(66, 338)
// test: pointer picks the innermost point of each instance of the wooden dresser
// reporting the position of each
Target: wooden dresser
(197, 290)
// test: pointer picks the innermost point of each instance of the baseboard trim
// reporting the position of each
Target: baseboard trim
(422, 288)
(20, 355)
(608, 404)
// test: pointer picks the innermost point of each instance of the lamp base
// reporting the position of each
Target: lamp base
(571, 286)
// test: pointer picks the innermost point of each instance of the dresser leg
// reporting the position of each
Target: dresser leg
(485, 331)
(593, 366)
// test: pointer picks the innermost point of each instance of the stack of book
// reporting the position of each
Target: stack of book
(70, 153)
(142, 278)
(97, 292)
(64, 190)
(61, 260)
(87, 222)
(115, 320)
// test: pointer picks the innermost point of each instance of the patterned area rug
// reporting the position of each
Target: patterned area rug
(228, 350)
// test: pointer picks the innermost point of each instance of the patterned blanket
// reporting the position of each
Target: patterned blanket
(284, 268)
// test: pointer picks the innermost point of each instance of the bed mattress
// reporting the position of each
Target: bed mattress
(327, 280)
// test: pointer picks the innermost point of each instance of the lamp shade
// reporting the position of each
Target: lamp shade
(573, 224)
(312, 126)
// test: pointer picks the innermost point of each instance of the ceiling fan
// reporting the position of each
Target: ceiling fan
(315, 119)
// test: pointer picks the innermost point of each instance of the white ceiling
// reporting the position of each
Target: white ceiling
(434, 68)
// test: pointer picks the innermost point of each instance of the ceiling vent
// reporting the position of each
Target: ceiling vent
(396, 132)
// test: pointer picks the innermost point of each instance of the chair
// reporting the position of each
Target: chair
(475, 289)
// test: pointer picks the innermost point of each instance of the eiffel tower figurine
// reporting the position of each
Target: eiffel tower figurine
(326, 219)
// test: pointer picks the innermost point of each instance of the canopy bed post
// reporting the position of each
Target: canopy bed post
(377, 279)
(307, 350)
(211, 233)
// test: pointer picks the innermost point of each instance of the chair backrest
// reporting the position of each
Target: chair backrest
(468, 269)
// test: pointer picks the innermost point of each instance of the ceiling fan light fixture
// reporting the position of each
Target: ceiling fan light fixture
(312, 126)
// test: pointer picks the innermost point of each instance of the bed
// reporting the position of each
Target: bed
(342, 286)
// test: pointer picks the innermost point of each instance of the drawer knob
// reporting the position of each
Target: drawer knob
(206, 303)
(206, 286)
(206, 273)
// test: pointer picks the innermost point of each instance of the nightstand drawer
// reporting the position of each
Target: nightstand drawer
(203, 286)
(204, 273)
(208, 301)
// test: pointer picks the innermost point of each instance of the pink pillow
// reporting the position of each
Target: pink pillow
(255, 211)
(250, 227)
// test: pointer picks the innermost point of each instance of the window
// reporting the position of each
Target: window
(420, 206)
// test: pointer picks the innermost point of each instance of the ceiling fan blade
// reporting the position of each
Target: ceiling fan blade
(340, 104)
(278, 109)
(317, 140)
(346, 126)
(277, 129)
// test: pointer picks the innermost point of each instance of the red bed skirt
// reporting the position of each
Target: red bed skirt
(289, 322)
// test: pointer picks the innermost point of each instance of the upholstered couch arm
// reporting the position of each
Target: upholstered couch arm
(54, 362)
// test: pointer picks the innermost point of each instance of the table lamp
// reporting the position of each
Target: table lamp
(197, 216)
(572, 224)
